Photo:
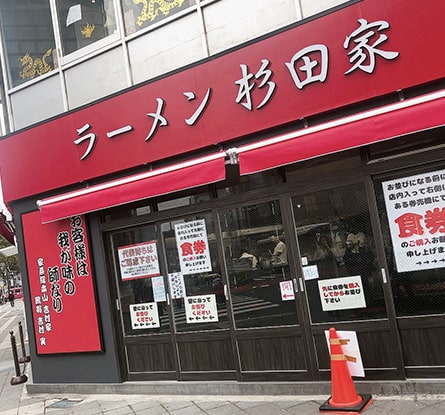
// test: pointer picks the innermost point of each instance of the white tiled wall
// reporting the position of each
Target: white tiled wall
(311, 7)
(40, 101)
(231, 22)
(96, 78)
(166, 48)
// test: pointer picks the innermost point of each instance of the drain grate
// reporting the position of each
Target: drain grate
(64, 403)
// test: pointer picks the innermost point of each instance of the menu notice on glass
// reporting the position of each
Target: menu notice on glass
(61, 285)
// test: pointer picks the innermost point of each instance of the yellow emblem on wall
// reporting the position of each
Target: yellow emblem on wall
(88, 30)
(152, 9)
(33, 67)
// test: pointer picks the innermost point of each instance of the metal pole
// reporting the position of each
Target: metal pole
(18, 378)
(24, 357)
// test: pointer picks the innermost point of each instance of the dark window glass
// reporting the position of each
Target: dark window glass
(120, 212)
(192, 198)
(257, 262)
(200, 291)
(408, 144)
(139, 14)
(28, 39)
(236, 184)
(84, 22)
(338, 257)
(139, 281)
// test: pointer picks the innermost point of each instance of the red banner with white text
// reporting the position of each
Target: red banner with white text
(61, 285)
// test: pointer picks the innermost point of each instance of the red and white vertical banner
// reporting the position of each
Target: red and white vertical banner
(193, 247)
(61, 285)
(415, 207)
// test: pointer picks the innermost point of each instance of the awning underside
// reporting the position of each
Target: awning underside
(365, 128)
(197, 172)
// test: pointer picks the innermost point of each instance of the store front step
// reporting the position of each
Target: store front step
(410, 387)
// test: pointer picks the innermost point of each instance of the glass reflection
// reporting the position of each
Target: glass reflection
(257, 265)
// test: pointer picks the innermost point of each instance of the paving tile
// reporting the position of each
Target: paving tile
(148, 408)
(227, 409)
(174, 405)
(189, 410)
(205, 406)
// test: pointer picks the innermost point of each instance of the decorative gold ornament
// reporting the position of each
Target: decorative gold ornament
(88, 30)
(152, 8)
(33, 67)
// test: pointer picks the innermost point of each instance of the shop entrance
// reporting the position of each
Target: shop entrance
(343, 278)
(246, 292)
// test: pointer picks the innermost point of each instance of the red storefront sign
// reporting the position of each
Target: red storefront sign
(61, 286)
(320, 65)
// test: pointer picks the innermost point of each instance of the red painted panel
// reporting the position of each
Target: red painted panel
(45, 157)
(61, 286)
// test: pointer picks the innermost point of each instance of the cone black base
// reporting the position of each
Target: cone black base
(366, 400)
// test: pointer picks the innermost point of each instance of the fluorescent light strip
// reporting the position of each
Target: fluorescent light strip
(130, 179)
(343, 121)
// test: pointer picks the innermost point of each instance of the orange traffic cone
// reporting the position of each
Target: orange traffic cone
(344, 399)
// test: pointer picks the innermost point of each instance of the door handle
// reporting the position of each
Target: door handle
(301, 285)
(226, 293)
(385, 280)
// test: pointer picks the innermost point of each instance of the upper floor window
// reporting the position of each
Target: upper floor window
(139, 14)
(84, 22)
(28, 39)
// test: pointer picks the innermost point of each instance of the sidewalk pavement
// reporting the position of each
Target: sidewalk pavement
(212, 405)
(16, 400)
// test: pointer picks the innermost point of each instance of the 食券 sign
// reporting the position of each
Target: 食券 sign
(415, 206)
(193, 247)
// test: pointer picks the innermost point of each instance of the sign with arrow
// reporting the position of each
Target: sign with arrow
(287, 290)
(201, 309)
(144, 316)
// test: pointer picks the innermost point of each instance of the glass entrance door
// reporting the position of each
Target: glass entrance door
(198, 298)
(269, 340)
(142, 303)
(342, 275)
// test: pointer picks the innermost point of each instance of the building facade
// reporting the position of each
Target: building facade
(201, 189)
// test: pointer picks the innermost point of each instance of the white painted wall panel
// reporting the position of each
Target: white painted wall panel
(96, 78)
(38, 102)
(231, 22)
(311, 7)
(167, 48)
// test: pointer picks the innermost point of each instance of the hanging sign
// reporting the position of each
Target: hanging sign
(138, 261)
(287, 290)
(310, 272)
(193, 247)
(342, 293)
(201, 309)
(144, 316)
(177, 285)
(61, 285)
(158, 289)
(415, 206)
